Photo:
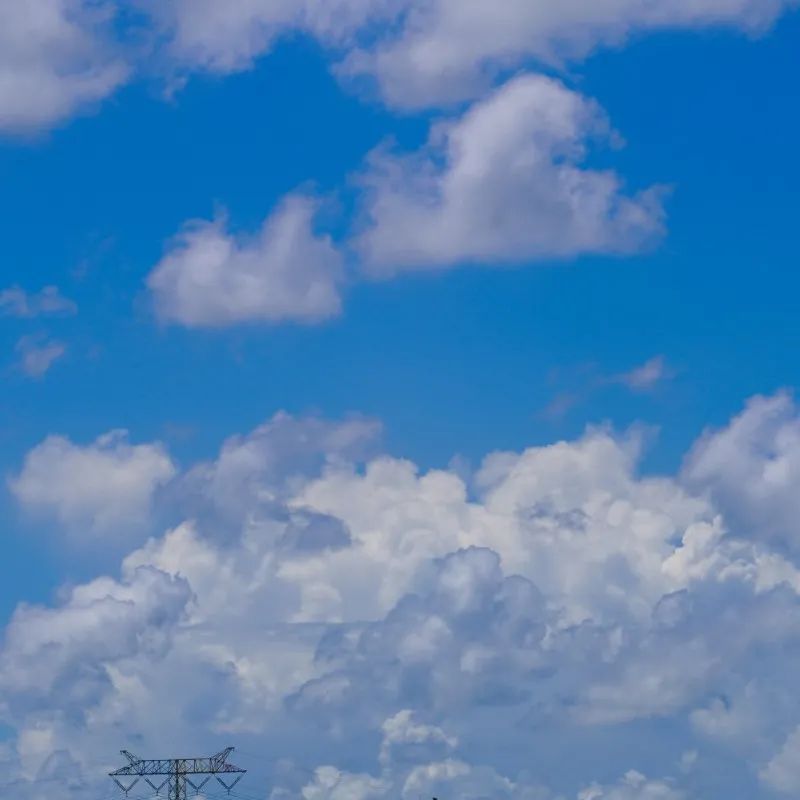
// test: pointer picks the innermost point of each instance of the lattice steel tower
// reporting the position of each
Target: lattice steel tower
(176, 772)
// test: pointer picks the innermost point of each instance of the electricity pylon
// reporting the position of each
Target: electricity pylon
(176, 771)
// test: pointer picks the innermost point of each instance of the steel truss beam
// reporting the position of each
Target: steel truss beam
(176, 770)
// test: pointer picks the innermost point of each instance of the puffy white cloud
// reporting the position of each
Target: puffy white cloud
(253, 477)
(453, 778)
(331, 784)
(502, 184)
(403, 733)
(571, 516)
(62, 655)
(16, 302)
(751, 469)
(55, 58)
(102, 489)
(368, 627)
(211, 278)
(37, 354)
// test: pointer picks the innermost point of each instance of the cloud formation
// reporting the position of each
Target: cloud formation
(285, 272)
(586, 380)
(102, 489)
(225, 38)
(56, 57)
(447, 51)
(38, 354)
(432, 52)
(751, 468)
(16, 302)
(503, 184)
(646, 376)
(374, 630)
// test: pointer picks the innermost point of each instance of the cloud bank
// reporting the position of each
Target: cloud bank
(557, 625)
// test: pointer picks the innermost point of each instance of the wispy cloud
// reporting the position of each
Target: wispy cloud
(589, 380)
(647, 376)
(16, 302)
(37, 355)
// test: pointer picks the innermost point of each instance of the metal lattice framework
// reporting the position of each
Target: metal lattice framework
(176, 771)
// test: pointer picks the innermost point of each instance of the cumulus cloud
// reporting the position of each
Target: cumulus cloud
(447, 50)
(71, 648)
(37, 354)
(429, 52)
(751, 468)
(55, 58)
(331, 784)
(211, 278)
(268, 464)
(445, 631)
(16, 302)
(406, 739)
(58, 56)
(102, 489)
(451, 777)
(502, 184)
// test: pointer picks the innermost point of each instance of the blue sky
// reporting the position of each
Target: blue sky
(505, 314)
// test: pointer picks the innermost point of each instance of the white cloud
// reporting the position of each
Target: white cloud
(101, 489)
(54, 60)
(331, 784)
(403, 733)
(58, 56)
(37, 355)
(47, 650)
(270, 463)
(454, 778)
(211, 278)
(633, 786)
(503, 184)
(16, 302)
(414, 633)
(751, 468)
(430, 52)
(449, 50)
(228, 37)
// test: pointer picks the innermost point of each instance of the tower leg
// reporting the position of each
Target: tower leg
(177, 784)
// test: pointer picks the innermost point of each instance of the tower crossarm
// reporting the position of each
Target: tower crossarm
(182, 766)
